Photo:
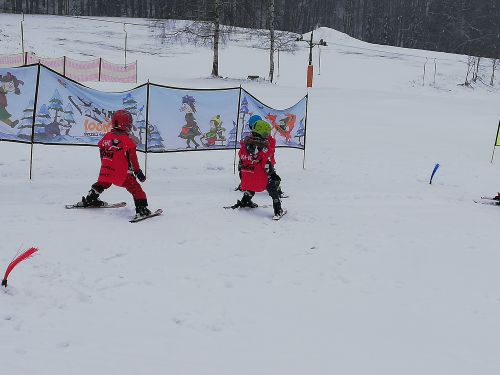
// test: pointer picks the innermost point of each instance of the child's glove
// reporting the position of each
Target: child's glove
(140, 176)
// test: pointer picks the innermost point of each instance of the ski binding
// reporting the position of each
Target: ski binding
(278, 217)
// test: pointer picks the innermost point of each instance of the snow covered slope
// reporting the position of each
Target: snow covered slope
(373, 270)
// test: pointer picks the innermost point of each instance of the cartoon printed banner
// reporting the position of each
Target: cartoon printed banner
(69, 113)
(179, 119)
(17, 95)
(288, 125)
(183, 120)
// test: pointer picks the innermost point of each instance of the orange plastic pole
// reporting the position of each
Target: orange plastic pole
(309, 76)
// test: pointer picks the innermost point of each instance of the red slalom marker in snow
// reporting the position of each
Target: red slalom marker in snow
(27, 254)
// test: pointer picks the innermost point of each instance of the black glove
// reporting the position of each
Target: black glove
(140, 176)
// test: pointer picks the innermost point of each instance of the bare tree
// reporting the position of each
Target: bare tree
(494, 63)
(216, 37)
(459, 26)
(199, 32)
(471, 61)
(475, 74)
(272, 40)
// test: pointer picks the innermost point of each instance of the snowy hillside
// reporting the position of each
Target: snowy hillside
(372, 271)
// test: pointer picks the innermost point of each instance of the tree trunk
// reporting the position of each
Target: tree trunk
(215, 64)
(271, 34)
(493, 65)
(476, 71)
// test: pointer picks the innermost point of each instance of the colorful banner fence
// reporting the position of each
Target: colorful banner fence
(192, 119)
(40, 106)
(18, 87)
(289, 125)
(70, 113)
(97, 70)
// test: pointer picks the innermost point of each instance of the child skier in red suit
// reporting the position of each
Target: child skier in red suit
(271, 171)
(119, 165)
(256, 161)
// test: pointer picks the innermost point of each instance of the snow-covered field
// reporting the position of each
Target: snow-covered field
(373, 270)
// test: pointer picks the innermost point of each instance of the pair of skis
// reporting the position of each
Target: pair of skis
(488, 200)
(116, 205)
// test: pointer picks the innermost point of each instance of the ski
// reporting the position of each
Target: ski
(158, 212)
(235, 207)
(489, 201)
(107, 205)
(278, 217)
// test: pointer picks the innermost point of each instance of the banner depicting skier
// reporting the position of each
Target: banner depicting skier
(70, 113)
(193, 119)
(288, 125)
(17, 95)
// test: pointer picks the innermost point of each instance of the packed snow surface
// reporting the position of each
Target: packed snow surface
(372, 271)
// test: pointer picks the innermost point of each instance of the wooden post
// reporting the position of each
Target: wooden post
(22, 35)
(147, 128)
(496, 138)
(100, 67)
(305, 133)
(237, 128)
(34, 117)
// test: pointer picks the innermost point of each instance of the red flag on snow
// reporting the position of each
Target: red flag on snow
(28, 253)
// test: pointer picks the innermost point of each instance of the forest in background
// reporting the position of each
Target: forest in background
(470, 27)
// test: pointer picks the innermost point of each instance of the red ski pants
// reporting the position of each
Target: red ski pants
(131, 184)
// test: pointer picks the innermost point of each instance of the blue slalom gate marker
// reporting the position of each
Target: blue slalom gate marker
(436, 167)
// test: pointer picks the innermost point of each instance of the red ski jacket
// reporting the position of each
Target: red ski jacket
(118, 157)
(253, 172)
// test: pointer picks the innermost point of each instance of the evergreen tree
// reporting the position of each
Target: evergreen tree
(155, 141)
(130, 104)
(26, 126)
(301, 131)
(56, 104)
(41, 120)
(231, 138)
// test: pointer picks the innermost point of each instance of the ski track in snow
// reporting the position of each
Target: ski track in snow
(372, 270)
